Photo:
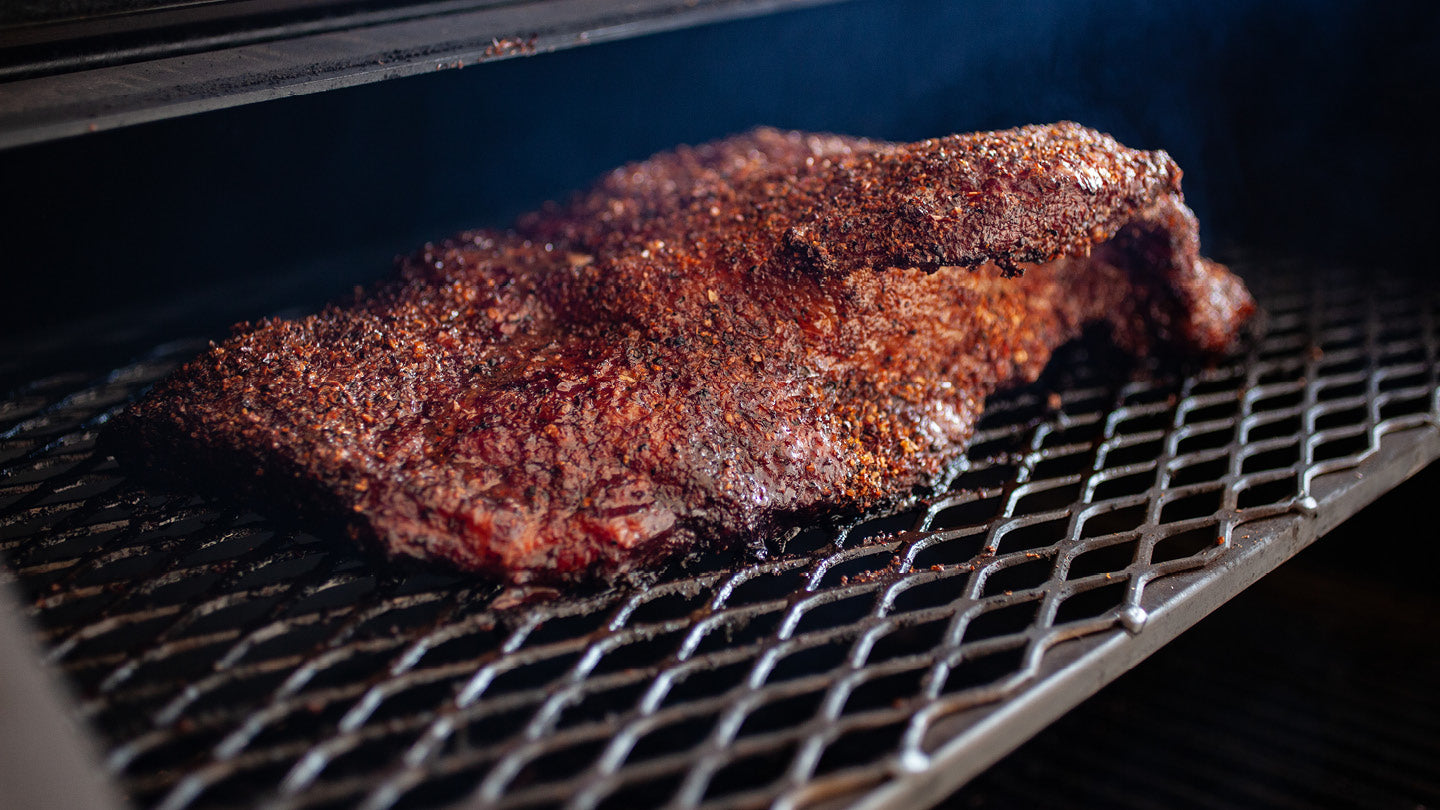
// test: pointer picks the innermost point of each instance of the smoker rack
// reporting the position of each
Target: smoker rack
(228, 660)
(1319, 707)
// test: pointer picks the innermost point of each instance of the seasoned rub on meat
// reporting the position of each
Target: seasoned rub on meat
(706, 346)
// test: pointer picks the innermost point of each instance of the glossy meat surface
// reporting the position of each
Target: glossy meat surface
(704, 347)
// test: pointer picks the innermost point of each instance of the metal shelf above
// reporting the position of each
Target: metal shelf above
(66, 77)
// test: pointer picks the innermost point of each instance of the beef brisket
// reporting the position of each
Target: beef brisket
(705, 346)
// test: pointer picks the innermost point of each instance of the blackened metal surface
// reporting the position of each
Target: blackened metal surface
(132, 68)
(228, 660)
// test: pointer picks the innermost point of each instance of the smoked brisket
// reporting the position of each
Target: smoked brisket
(705, 347)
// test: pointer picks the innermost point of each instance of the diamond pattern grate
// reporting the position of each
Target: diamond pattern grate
(227, 660)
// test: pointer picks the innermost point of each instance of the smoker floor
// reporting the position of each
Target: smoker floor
(1275, 700)
(229, 660)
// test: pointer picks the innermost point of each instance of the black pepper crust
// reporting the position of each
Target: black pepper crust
(704, 347)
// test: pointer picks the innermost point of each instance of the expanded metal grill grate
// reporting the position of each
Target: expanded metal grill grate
(1275, 700)
(228, 660)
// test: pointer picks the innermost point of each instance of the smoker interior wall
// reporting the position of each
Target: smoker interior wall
(1295, 121)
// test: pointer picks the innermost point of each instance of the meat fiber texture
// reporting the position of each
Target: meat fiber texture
(704, 348)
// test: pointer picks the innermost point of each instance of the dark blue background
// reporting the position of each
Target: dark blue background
(1301, 127)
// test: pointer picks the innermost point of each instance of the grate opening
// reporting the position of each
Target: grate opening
(332, 596)
(1075, 435)
(311, 720)
(699, 684)
(971, 513)
(566, 628)
(1188, 543)
(947, 551)
(1340, 418)
(1048, 500)
(1000, 447)
(1198, 473)
(1113, 521)
(280, 572)
(603, 705)
(1139, 453)
(1405, 354)
(1104, 560)
(1394, 382)
(861, 568)
(975, 671)
(768, 587)
(1002, 621)
(1213, 413)
(990, 477)
(644, 653)
(1199, 505)
(414, 700)
(908, 640)
(1092, 603)
(1144, 423)
(473, 643)
(1280, 402)
(228, 693)
(784, 713)
(1268, 493)
(666, 740)
(1022, 409)
(882, 527)
(858, 747)
(809, 661)
(750, 772)
(1147, 395)
(1283, 372)
(931, 593)
(646, 793)
(1342, 447)
(228, 546)
(1200, 442)
(402, 620)
(1274, 429)
(288, 640)
(1032, 536)
(172, 754)
(670, 606)
(1220, 382)
(482, 730)
(885, 692)
(557, 765)
(441, 790)
(364, 757)
(245, 785)
(1075, 464)
(1021, 577)
(1278, 459)
(1124, 486)
(348, 665)
(825, 615)
(1342, 391)
(1399, 407)
(121, 569)
(739, 631)
(529, 676)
